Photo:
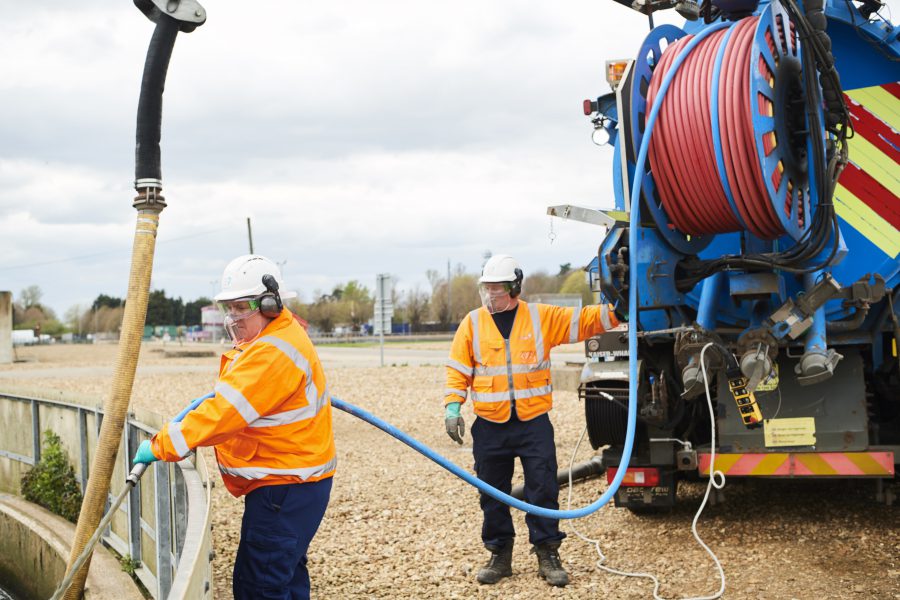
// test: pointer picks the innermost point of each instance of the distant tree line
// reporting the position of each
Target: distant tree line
(104, 315)
(349, 305)
(352, 304)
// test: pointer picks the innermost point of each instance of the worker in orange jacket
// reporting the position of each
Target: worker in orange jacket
(501, 352)
(270, 424)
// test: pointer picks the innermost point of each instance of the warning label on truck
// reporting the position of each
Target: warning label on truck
(800, 431)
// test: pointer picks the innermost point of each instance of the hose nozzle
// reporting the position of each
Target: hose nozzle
(136, 473)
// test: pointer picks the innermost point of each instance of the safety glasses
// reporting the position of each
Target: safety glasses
(240, 308)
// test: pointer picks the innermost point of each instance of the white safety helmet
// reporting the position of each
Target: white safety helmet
(243, 278)
(500, 269)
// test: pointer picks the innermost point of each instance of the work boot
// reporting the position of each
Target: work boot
(549, 565)
(498, 567)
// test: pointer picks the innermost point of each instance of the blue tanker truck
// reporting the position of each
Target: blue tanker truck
(752, 254)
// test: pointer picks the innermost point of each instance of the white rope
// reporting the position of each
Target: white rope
(716, 480)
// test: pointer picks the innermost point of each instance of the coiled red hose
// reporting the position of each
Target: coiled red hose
(682, 151)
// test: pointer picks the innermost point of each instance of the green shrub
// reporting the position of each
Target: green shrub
(52, 483)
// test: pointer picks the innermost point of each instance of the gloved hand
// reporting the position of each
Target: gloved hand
(456, 427)
(144, 454)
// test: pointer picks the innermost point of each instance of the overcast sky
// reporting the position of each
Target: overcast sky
(359, 137)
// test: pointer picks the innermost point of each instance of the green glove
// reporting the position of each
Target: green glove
(144, 454)
(456, 427)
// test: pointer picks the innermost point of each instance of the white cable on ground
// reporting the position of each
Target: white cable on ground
(716, 479)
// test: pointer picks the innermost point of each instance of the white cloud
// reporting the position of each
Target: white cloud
(359, 137)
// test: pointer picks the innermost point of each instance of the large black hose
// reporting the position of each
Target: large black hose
(147, 169)
(149, 203)
(580, 473)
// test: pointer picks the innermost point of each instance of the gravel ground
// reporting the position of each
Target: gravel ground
(400, 527)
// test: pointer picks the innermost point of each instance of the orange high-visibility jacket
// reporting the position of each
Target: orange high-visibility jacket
(270, 419)
(516, 372)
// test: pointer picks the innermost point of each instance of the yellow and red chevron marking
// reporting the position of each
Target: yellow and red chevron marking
(802, 464)
(868, 193)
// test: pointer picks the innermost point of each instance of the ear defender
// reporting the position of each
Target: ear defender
(270, 305)
(517, 284)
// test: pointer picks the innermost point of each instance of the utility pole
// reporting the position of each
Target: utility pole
(449, 298)
(250, 235)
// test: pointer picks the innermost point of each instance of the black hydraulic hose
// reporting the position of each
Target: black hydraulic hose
(149, 113)
(580, 473)
(849, 324)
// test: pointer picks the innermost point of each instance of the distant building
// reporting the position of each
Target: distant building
(573, 300)
(212, 324)
(24, 337)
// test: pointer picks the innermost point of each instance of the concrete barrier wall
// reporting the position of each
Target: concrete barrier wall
(165, 523)
(34, 547)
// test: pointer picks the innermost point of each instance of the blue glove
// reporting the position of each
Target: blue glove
(456, 427)
(144, 454)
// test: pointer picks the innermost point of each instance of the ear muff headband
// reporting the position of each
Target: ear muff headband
(270, 304)
(517, 284)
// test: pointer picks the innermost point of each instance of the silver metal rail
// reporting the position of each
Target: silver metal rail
(164, 524)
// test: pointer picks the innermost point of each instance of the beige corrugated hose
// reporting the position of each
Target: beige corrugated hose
(115, 409)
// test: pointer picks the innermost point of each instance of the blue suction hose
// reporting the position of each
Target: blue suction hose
(632, 343)
(194, 404)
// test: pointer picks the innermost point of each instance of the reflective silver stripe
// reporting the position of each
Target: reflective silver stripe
(260, 472)
(295, 415)
(509, 376)
(531, 393)
(604, 318)
(460, 393)
(527, 368)
(490, 396)
(573, 327)
(292, 353)
(455, 364)
(315, 400)
(476, 346)
(237, 400)
(519, 394)
(536, 328)
(178, 441)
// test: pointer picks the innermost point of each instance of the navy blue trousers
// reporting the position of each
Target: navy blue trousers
(496, 446)
(278, 525)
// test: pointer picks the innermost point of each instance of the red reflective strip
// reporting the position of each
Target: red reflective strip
(745, 464)
(703, 463)
(877, 132)
(785, 468)
(872, 193)
(809, 464)
(841, 464)
(886, 459)
(893, 88)
(798, 468)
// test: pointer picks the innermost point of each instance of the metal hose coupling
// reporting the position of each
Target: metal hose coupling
(136, 473)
